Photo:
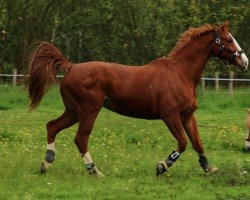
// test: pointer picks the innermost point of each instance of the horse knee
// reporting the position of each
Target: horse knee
(182, 145)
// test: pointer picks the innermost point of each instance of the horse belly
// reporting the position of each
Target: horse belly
(134, 109)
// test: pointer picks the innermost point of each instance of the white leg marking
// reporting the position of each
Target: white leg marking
(51, 146)
(88, 159)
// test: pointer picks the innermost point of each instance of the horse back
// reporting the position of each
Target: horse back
(128, 90)
(135, 91)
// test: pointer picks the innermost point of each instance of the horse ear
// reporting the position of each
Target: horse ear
(225, 26)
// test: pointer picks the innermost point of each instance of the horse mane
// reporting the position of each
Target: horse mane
(190, 34)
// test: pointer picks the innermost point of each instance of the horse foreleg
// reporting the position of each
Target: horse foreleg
(66, 120)
(81, 140)
(194, 136)
(175, 126)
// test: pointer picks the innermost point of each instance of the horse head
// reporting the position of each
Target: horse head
(227, 48)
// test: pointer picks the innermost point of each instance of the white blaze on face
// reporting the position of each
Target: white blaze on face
(243, 55)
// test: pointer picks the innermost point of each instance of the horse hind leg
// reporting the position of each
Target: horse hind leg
(66, 120)
(86, 123)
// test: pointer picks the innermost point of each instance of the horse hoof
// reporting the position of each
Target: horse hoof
(43, 168)
(160, 169)
(99, 174)
(94, 171)
(212, 170)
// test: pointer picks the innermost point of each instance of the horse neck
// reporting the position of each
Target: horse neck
(190, 60)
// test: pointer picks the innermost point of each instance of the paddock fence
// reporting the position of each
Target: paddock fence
(218, 83)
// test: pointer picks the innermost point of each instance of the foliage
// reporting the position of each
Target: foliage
(128, 31)
(126, 150)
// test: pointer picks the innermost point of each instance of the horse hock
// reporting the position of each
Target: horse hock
(163, 166)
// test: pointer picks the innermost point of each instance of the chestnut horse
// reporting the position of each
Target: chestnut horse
(162, 89)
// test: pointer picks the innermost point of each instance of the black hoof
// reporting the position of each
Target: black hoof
(43, 168)
(160, 169)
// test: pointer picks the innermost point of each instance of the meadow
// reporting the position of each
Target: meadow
(126, 150)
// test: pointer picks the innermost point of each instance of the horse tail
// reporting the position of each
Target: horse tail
(45, 62)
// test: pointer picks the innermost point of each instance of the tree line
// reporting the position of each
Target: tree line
(132, 32)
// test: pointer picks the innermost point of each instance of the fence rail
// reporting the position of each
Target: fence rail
(206, 79)
(226, 79)
(22, 75)
(217, 80)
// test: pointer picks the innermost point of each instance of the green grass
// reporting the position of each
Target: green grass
(126, 150)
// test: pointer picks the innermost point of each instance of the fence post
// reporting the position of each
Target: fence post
(14, 76)
(203, 85)
(217, 84)
(230, 88)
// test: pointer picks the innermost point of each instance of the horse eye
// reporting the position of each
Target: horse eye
(230, 40)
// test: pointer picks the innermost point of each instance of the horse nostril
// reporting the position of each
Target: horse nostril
(246, 63)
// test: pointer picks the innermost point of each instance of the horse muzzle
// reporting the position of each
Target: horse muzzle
(242, 61)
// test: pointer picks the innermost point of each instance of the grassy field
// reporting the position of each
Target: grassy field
(126, 150)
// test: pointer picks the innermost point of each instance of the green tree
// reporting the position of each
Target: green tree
(128, 31)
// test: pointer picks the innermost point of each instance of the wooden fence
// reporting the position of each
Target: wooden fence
(216, 81)
(14, 77)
